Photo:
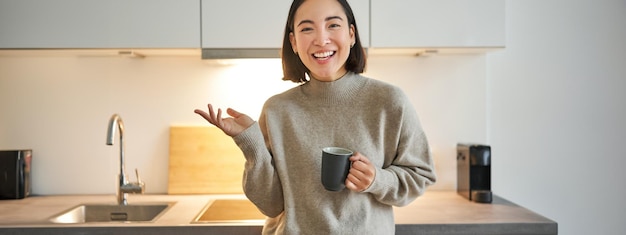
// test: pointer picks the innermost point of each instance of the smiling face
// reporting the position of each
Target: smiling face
(322, 37)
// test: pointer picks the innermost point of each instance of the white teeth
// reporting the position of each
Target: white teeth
(324, 54)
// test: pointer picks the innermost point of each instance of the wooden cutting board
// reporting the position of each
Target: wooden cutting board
(203, 160)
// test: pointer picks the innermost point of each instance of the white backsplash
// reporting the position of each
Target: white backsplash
(60, 106)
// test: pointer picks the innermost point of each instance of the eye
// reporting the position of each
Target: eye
(334, 25)
(306, 29)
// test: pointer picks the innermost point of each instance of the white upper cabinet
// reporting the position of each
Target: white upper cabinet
(437, 24)
(240, 24)
(99, 24)
(244, 23)
(258, 24)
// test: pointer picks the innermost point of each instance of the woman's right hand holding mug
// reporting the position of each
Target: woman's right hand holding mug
(232, 126)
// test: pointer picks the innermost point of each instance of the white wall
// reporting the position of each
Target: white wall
(60, 106)
(557, 112)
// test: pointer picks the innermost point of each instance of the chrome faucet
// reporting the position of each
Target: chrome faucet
(124, 187)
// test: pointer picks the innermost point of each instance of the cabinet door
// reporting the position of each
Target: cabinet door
(258, 24)
(437, 24)
(244, 23)
(100, 24)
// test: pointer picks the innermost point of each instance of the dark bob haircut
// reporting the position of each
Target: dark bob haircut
(293, 68)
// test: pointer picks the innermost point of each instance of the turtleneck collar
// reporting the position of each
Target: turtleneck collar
(340, 90)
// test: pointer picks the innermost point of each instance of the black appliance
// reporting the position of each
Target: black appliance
(474, 172)
(15, 168)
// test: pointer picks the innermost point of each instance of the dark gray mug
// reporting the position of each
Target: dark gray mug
(335, 167)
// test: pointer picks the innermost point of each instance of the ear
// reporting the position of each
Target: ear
(352, 35)
(292, 40)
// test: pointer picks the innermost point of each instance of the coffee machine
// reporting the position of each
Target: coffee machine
(474, 172)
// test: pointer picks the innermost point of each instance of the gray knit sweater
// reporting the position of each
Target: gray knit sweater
(283, 156)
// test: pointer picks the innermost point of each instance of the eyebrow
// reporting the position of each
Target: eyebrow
(327, 19)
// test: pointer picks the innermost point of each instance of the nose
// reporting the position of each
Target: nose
(321, 38)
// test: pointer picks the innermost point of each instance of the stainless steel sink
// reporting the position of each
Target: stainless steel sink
(89, 213)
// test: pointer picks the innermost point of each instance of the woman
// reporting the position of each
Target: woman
(334, 106)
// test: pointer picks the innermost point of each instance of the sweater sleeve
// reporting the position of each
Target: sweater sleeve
(260, 179)
(411, 168)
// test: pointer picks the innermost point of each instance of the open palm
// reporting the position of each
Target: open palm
(232, 126)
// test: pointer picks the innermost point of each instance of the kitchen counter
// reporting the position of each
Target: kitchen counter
(436, 212)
